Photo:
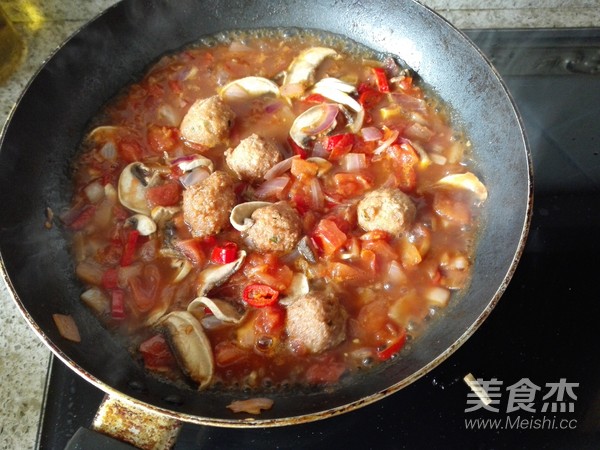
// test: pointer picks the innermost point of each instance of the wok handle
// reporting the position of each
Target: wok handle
(129, 425)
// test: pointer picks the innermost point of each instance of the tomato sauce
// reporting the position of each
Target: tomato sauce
(388, 134)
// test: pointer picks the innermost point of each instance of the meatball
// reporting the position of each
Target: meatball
(386, 209)
(253, 157)
(207, 122)
(277, 228)
(316, 322)
(207, 204)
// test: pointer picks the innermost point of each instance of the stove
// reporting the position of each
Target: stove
(537, 353)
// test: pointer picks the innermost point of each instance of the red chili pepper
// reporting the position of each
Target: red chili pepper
(393, 347)
(259, 295)
(224, 253)
(130, 245)
(339, 144)
(110, 279)
(381, 79)
(117, 305)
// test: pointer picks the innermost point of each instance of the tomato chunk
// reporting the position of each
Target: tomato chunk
(328, 236)
(164, 195)
(157, 354)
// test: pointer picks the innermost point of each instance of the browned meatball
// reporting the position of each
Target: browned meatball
(253, 157)
(207, 122)
(277, 228)
(316, 322)
(386, 209)
(207, 205)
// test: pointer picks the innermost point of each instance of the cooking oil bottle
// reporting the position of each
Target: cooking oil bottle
(11, 47)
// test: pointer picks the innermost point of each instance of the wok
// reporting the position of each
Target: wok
(48, 123)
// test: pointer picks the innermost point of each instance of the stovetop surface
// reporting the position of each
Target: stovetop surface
(536, 354)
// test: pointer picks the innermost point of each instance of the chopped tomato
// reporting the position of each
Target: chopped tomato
(340, 272)
(450, 209)
(369, 97)
(315, 98)
(381, 79)
(374, 324)
(270, 321)
(162, 139)
(328, 237)
(224, 253)
(351, 184)
(166, 194)
(157, 354)
(192, 250)
(339, 145)
(405, 159)
(228, 353)
(130, 246)
(130, 150)
(301, 167)
(260, 295)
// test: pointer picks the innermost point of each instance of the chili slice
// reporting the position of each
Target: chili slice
(224, 253)
(117, 304)
(260, 295)
(381, 79)
(393, 347)
(130, 245)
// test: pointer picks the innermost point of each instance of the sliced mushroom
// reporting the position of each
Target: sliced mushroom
(190, 345)
(248, 87)
(221, 309)
(305, 248)
(337, 91)
(142, 223)
(319, 119)
(468, 181)
(215, 275)
(189, 163)
(183, 268)
(297, 288)
(133, 183)
(101, 133)
(162, 214)
(241, 214)
(302, 69)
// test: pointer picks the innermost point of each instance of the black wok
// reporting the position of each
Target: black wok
(47, 125)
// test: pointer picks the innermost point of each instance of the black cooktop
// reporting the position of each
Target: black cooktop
(537, 354)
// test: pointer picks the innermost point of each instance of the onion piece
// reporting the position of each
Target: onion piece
(194, 177)
(316, 194)
(280, 167)
(353, 162)
(385, 144)
(371, 134)
(67, 327)
(272, 187)
(437, 296)
(94, 192)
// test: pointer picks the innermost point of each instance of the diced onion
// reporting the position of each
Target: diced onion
(194, 177)
(371, 134)
(272, 187)
(94, 192)
(316, 194)
(437, 296)
(353, 162)
(109, 151)
(97, 300)
(252, 405)
(67, 327)
(396, 273)
(280, 167)
(385, 144)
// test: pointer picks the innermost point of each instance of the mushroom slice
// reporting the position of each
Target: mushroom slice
(297, 288)
(142, 223)
(183, 267)
(338, 92)
(248, 87)
(241, 215)
(302, 69)
(319, 119)
(133, 182)
(190, 345)
(468, 181)
(221, 309)
(102, 132)
(162, 214)
(215, 275)
(333, 83)
(305, 248)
